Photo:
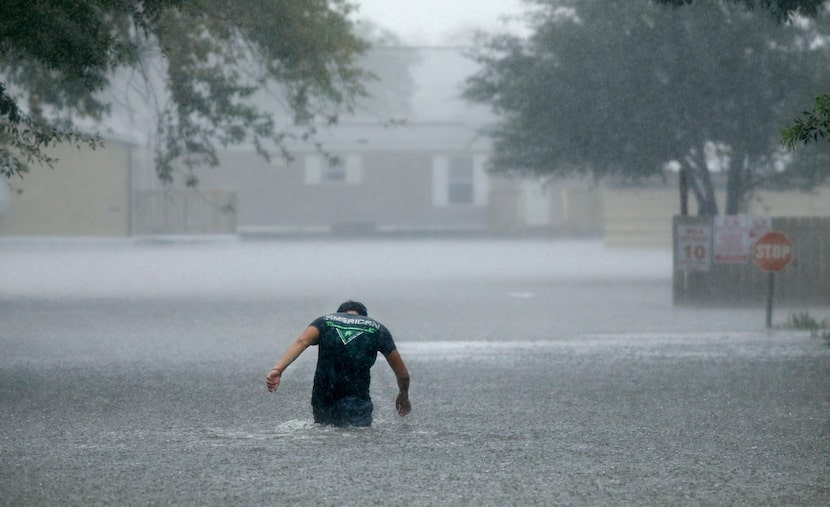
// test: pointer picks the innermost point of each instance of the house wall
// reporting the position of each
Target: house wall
(559, 207)
(383, 191)
(86, 194)
(640, 216)
(113, 191)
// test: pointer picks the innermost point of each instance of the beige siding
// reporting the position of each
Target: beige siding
(791, 204)
(84, 195)
(383, 191)
(643, 216)
(639, 216)
(88, 194)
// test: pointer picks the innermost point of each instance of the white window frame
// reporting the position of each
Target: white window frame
(441, 181)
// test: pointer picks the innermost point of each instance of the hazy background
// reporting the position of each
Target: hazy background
(434, 22)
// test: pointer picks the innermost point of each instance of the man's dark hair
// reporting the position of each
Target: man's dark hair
(353, 306)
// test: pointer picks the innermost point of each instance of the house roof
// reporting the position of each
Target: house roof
(410, 136)
(438, 118)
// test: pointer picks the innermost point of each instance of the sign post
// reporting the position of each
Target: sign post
(772, 252)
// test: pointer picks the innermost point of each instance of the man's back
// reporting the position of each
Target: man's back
(348, 348)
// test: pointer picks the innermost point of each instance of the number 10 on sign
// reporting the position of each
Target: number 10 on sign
(694, 248)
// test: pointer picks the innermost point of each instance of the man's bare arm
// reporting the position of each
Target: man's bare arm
(395, 361)
(311, 336)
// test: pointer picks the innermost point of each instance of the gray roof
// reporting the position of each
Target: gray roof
(439, 119)
(415, 136)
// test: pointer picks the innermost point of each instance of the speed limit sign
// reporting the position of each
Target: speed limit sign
(694, 247)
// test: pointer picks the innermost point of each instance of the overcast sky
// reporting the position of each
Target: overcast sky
(437, 22)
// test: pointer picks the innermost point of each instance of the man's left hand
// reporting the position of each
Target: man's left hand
(403, 405)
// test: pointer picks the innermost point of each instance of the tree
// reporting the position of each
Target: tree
(623, 89)
(780, 9)
(58, 58)
(815, 124)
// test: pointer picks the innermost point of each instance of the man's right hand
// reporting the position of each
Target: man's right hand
(273, 379)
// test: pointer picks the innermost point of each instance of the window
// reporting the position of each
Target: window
(340, 169)
(334, 170)
(460, 181)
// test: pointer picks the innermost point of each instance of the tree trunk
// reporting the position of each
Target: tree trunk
(701, 183)
(710, 206)
(735, 185)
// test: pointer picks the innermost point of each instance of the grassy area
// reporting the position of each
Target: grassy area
(803, 320)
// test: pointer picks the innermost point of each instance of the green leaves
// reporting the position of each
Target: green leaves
(22, 139)
(780, 9)
(811, 127)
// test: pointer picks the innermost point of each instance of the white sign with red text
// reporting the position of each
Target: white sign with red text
(734, 236)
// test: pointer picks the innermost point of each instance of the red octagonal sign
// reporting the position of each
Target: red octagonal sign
(773, 251)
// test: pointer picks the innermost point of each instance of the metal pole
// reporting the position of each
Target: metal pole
(770, 291)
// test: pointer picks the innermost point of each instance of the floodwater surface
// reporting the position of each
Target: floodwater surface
(543, 372)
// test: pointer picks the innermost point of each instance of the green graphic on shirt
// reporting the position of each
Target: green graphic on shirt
(348, 333)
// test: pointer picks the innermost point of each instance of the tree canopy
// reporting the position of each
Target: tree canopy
(780, 9)
(625, 89)
(815, 124)
(58, 58)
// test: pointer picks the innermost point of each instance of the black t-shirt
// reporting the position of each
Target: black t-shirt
(349, 345)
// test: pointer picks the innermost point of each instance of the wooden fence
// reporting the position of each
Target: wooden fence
(805, 281)
(184, 212)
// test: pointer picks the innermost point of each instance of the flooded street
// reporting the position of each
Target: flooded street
(543, 373)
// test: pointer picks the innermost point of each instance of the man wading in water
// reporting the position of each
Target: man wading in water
(349, 341)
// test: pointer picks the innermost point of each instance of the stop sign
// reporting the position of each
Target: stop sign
(773, 251)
